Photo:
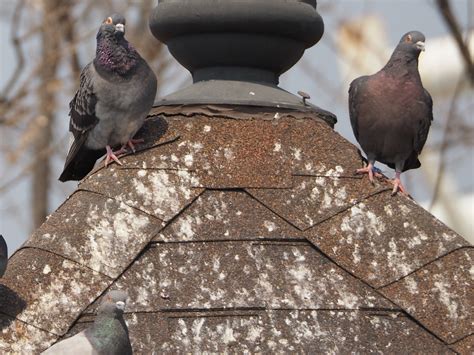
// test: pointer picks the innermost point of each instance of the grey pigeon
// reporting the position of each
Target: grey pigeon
(116, 92)
(108, 334)
(391, 112)
(3, 255)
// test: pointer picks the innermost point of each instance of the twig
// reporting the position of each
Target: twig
(445, 10)
(445, 144)
(20, 59)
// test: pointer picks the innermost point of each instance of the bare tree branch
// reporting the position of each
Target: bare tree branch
(53, 26)
(448, 16)
(20, 59)
(449, 123)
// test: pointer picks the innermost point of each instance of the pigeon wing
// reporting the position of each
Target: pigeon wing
(81, 160)
(77, 344)
(82, 106)
(354, 99)
(425, 123)
(426, 116)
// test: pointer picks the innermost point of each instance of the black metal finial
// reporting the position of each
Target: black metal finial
(235, 47)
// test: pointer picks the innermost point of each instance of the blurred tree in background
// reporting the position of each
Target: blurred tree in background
(48, 37)
(54, 39)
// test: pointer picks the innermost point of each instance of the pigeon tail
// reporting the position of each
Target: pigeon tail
(411, 163)
(3, 255)
(80, 163)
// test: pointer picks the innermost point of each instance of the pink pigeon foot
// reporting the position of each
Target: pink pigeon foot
(369, 169)
(398, 186)
(112, 156)
(131, 144)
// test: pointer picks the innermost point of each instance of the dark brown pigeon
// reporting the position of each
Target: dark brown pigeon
(391, 112)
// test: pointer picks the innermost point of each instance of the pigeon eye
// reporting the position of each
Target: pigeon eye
(108, 21)
(408, 38)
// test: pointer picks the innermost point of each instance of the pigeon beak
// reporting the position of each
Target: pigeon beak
(420, 45)
(120, 305)
(120, 27)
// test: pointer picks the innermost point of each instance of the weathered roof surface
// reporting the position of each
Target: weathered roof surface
(243, 229)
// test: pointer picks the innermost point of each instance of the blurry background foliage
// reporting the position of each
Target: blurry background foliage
(46, 43)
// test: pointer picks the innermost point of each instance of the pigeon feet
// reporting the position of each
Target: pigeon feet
(131, 144)
(112, 156)
(398, 186)
(371, 171)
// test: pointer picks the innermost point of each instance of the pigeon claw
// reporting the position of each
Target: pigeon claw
(371, 171)
(112, 156)
(398, 186)
(131, 143)
(367, 170)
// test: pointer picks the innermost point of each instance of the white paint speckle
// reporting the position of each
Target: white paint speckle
(356, 254)
(185, 225)
(174, 158)
(388, 210)
(269, 225)
(46, 269)
(228, 334)
(188, 160)
(443, 289)
(411, 285)
(228, 154)
(347, 299)
(296, 153)
(109, 229)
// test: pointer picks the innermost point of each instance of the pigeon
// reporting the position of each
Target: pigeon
(108, 334)
(391, 112)
(3, 255)
(116, 92)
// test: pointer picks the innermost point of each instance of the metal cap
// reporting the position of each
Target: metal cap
(237, 49)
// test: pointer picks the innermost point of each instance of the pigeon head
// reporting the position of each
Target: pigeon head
(109, 333)
(412, 42)
(114, 55)
(113, 303)
(113, 25)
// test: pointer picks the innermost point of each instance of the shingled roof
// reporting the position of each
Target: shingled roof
(243, 229)
(239, 227)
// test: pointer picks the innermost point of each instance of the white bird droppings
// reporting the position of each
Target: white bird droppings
(46, 269)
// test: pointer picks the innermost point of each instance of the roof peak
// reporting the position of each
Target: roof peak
(225, 42)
